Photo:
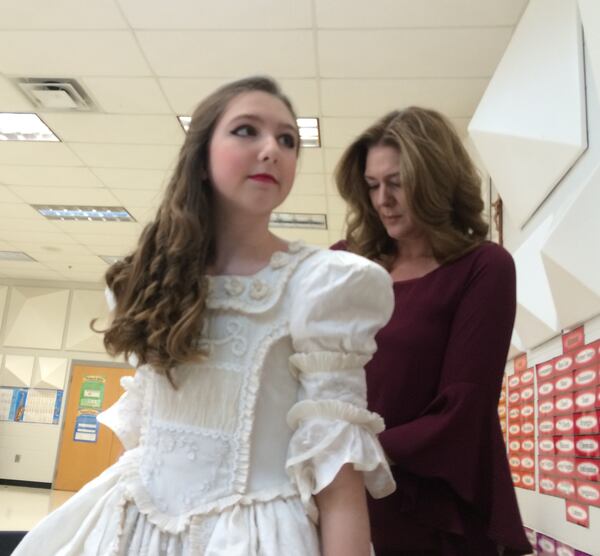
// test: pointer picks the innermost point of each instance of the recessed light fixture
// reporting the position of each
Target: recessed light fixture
(309, 132)
(24, 127)
(84, 213)
(110, 259)
(16, 256)
(298, 220)
(308, 127)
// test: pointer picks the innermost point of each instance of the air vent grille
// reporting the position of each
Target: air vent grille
(56, 94)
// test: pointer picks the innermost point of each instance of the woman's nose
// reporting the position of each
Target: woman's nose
(269, 149)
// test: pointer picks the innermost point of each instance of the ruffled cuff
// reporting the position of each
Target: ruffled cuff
(124, 416)
(330, 434)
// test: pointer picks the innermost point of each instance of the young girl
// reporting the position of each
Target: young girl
(245, 427)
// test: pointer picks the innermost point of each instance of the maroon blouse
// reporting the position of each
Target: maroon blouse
(436, 380)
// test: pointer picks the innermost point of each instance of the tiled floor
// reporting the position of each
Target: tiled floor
(21, 507)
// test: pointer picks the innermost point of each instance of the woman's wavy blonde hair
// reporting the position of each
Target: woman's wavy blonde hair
(161, 288)
(442, 185)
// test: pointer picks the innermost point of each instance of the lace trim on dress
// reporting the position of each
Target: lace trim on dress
(241, 439)
(253, 294)
(319, 449)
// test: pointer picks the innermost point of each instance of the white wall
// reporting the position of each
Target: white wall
(41, 320)
(537, 130)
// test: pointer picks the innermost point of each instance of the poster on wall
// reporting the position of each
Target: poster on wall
(568, 391)
(30, 405)
(91, 398)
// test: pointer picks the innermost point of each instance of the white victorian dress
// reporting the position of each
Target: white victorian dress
(228, 463)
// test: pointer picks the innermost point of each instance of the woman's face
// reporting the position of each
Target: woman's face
(388, 197)
(252, 154)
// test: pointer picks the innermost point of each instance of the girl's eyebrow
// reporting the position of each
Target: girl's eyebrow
(256, 118)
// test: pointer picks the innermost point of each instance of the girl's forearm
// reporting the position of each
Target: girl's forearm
(344, 519)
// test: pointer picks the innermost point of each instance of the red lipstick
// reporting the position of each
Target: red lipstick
(265, 178)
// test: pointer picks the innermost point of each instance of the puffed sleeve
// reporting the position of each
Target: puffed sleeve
(342, 302)
(124, 416)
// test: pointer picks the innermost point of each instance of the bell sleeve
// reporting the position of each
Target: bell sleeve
(342, 303)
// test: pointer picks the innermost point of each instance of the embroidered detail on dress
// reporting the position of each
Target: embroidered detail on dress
(279, 259)
(236, 335)
(234, 286)
(199, 464)
(258, 289)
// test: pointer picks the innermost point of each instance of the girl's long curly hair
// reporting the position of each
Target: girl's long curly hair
(442, 185)
(161, 288)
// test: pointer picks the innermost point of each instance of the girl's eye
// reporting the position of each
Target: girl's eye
(288, 140)
(372, 186)
(244, 131)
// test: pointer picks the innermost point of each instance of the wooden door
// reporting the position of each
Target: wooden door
(86, 447)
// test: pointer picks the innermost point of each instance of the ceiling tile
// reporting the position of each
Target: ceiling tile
(309, 184)
(304, 203)
(38, 272)
(408, 13)
(18, 210)
(336, 205)
(110, 250)
(122, 95)
(143, 215)
(185, 94)
(310, 161)
(433, 52)
(35, 153)
(48, 257)
(332, 157)
(42, 251)
(229, 53)
(225, 14)
(29, 225)
(138, 197)
(11, 99)
(7, 196)
(340, 132)
(336, 223)
(68, 53)
(96, 277)
(61, 14)
(122, 178)
(125, 156)
(104, 239)
(374, 97)
(118, 229)
(112, 128)
(41, 238)
(48, 176)
(67, 196)
(312, 237)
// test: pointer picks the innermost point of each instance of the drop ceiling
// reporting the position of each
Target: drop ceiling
(143, 62)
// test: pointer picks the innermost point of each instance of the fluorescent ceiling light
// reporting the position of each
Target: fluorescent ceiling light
(84, 213)
(24, 127)
(308, 128)
(298, 220)
(15, 256)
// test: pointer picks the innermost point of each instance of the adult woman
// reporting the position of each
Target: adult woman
(416, 208)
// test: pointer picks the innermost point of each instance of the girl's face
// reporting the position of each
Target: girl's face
(388, 197)
(252, 154)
